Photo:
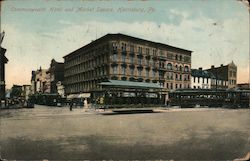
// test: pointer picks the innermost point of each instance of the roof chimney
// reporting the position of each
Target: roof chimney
(200, 68)
(212, 67)
(221, 65)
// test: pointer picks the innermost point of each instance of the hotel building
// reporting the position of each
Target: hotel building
(126, 61)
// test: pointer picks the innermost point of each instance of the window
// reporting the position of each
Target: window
(198, 80)
(154, 52)
(147, 62)
(207, 80)
(147, 73)
(180, 77)
(167, 85)
(131, 59)
(123, 58)
(154, 73)
(176, 67)
(139, 49)
(124, 46)
(161, 74)
(194, 79)
(194, 87)
(123, 71)
(139, 61)
(115, 70)
(176, 76)
(132, 48)
(161, 53)
(180, 85)
(203, 80)
(180, 57)
(171, 85)
(180, 68)
(176, 57)
(169, 66)
(114, 46)
(169, 56)
(147, 51)
(186, 59)
(176, 86)
(139, 72)
(131, 71)
(114, 57)
(234, 74)
(154, 63)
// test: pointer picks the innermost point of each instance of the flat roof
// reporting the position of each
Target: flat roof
(119, 35)
(130, 84)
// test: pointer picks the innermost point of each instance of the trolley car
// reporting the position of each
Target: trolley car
(210, 98)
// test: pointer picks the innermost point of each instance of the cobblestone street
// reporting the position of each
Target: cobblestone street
(57, 133)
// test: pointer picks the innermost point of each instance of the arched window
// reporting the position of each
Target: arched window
(176, 67)
(180, 68)
(169, 66)
(186, 69)
(176, 57)
(180, 57)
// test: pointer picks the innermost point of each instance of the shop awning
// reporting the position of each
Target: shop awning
(71, 96)
(81, 95)
(84, 95)
(130, 84)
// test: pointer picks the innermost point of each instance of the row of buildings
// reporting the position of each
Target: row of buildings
(118, 65)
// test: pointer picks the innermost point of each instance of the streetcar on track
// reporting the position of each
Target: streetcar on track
(210, 98)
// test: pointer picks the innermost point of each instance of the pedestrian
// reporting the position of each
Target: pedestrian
(70, 105)
(85, 103)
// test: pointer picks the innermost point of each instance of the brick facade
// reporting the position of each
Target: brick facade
(122, 57)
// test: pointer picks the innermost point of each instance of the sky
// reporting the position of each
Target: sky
(36, 31)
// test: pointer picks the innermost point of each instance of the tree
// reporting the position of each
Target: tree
(16, 91)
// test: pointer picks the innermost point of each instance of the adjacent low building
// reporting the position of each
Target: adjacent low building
(126, 59)
(201, 79)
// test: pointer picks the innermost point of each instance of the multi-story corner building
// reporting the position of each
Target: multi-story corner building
(56, 72)
(126, 58)
(225, 76)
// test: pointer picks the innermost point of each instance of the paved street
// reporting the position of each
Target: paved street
(57, 133)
